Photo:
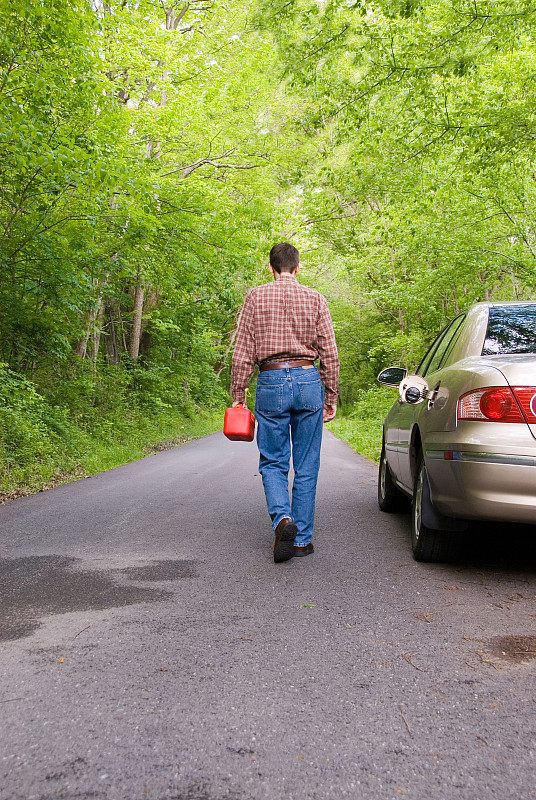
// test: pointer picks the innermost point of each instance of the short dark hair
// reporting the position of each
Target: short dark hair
(284, 257)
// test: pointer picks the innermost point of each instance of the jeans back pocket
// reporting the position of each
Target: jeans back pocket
(311, 394)
(269, 398)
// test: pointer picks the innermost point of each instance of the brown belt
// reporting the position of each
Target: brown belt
(285, 365)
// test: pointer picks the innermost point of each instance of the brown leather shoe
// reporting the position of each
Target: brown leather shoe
(285, 533)
(306, 550)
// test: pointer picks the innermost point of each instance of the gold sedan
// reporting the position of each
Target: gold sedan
(460, 441)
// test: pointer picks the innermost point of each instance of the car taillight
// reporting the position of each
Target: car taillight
(496, 404)
(492, 404)
(526, 397)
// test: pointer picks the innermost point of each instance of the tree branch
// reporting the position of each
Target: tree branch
(202, 161)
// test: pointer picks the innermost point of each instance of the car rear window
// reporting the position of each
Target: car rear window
(511, 329)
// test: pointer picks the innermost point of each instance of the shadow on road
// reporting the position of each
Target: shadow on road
(493, 546)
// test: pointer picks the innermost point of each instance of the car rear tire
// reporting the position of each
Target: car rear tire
(390, 498)
(428, 544)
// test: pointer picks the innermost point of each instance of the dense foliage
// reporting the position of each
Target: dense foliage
(136, 205)
(151, 154)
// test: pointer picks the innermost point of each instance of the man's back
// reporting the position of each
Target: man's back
(284, 320)
(284, 328)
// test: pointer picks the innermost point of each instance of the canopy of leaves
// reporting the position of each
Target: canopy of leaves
(422, 118)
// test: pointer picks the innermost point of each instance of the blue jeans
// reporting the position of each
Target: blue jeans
(289, 409)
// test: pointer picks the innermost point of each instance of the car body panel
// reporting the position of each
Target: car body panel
(481, 489)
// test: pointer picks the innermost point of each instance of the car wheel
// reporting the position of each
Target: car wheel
(390, 498)
(427, 543)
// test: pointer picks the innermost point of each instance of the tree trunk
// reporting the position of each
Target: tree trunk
(135, 333)
(82, 346)
(97, 333)
(223, 362)
(81, 349)
(110, 328)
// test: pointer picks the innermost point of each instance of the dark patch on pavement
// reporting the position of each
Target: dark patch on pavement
(515, 649)
(34, 587)
(166, 570)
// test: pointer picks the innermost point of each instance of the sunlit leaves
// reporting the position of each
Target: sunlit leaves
(421, 119)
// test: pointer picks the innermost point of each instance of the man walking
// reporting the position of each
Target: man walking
(284, 327)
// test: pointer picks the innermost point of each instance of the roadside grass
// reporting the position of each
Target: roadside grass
(360, 425)
(65, 452)
(150, 436)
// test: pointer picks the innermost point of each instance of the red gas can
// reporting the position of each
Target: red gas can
(239, 424)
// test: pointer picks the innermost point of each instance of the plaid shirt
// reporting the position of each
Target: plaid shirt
(284, 321)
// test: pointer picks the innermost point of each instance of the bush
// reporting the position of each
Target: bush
(87, 424)
(25, 438)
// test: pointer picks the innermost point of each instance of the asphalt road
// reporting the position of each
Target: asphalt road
(152, 650)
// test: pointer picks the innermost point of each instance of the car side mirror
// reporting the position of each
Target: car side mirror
(413, 389)
(392, 376)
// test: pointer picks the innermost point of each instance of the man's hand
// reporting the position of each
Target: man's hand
(329, 413)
